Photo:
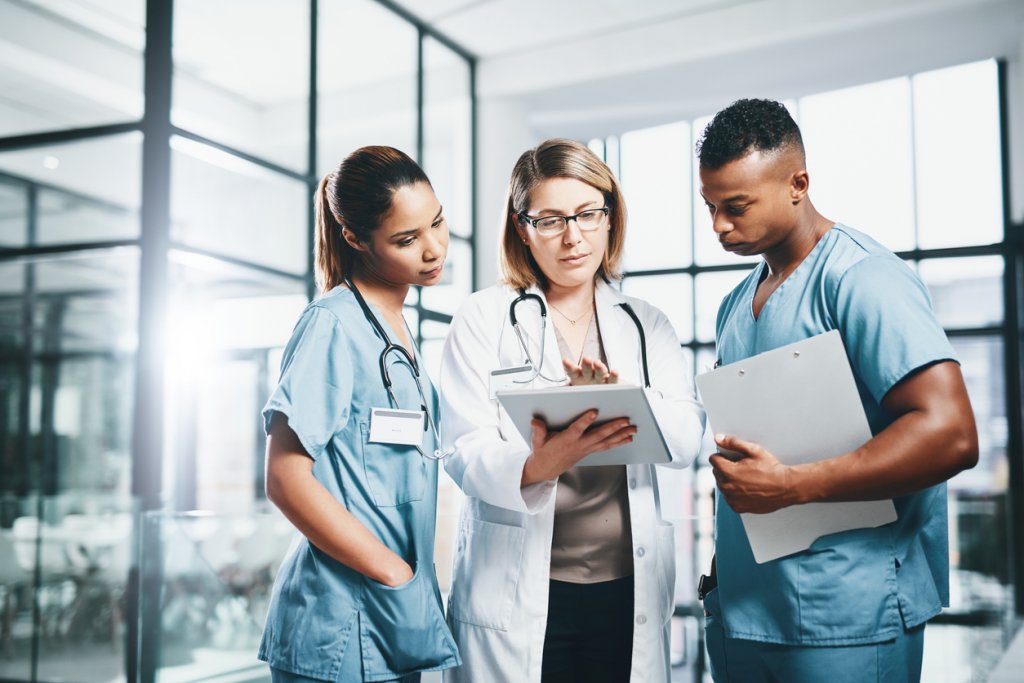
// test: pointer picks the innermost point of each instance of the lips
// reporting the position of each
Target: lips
(432, 273)
(573, 259)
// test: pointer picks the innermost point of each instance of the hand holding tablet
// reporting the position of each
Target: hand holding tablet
(559, 407)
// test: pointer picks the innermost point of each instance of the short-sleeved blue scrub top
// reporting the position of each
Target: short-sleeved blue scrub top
(864, 585)
(330, 380)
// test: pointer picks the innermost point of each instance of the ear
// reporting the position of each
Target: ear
(799, 184)
(520, 230)
(353, 241)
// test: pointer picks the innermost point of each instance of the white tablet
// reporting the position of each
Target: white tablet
(560, 406)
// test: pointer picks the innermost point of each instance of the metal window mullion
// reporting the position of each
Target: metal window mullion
(143, 646)
(1013, 287)
(311, 157)
(253, 159)
(420, 37)
(55, 189)
(426, 28)
(55, 137)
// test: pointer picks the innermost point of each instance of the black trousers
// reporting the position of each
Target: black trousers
(589, 636)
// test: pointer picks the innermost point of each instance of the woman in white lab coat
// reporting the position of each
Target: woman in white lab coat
(561, 573)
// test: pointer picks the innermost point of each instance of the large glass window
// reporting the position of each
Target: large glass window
(956, 127)
(228, 206)
(447, 132)
(232, 81)
(70, 65)
(863, 178)
(655, 174)
(75, 306)
(366, 80)
(85, 191)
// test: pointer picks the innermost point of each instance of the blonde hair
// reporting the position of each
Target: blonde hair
(557, 158)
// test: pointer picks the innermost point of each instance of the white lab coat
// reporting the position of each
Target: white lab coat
(497, 608)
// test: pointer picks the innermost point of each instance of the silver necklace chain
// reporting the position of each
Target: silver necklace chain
(579, 318)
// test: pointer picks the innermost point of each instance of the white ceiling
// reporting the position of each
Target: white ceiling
(489, 28)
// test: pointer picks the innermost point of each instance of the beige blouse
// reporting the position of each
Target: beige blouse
(592, 541)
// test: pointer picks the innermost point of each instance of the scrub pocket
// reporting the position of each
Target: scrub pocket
(403, 631)
(488, 557)
(666, 534)
(394, 474)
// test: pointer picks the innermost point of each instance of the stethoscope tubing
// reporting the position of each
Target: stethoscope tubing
(537, 367)
(407, 359)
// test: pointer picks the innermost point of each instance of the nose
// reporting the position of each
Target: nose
(434, 247)
(720, 222)
(572, 234)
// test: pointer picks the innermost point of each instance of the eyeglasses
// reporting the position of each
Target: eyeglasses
(548, 226)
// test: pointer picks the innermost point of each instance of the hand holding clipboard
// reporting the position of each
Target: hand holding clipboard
(799, 403)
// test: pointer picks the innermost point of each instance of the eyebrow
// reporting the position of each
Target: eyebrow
(413, 231)
(729, 200)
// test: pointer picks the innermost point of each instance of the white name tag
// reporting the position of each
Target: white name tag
(398, 427)
(510, 378)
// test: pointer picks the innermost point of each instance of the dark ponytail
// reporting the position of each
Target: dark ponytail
(356, 196)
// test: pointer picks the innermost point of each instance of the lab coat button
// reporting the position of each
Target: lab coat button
(640, 552)
(641, 619)
(632, 483)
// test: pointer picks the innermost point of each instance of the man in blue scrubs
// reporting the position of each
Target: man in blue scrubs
(853, 606)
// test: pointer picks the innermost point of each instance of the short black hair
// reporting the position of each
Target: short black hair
(744, 126)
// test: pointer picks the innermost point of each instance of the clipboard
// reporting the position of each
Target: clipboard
(801, 403)
(560, 406)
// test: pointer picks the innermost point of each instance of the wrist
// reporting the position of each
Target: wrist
(396, 573)
(806, 484)
(529, 472)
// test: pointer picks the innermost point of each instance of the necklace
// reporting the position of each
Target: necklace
(578, 318)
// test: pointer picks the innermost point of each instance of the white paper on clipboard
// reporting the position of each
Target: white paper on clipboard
(801, 403)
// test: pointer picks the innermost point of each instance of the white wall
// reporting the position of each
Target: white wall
(503, 134)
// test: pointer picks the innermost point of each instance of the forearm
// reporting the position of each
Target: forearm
(332, 528)
(915, 452)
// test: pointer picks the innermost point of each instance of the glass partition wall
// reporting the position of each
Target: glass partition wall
(888, 159)
(155, 252)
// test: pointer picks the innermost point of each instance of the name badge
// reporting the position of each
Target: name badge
(510, 378)
(397, 427)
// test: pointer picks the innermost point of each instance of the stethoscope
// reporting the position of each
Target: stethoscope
(537, 367)
(408, 360)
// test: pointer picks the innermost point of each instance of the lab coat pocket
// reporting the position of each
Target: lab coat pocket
(404, 631)
(394, 474)
(488, 559)
(667, 568)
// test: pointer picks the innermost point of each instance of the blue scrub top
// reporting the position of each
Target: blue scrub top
(330, 380)
(865, 585)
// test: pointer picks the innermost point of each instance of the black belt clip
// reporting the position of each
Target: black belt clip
(706, 584)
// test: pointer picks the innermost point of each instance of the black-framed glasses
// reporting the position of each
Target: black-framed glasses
(588, 220)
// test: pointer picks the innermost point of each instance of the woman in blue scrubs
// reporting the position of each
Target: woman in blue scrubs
(352, 441)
